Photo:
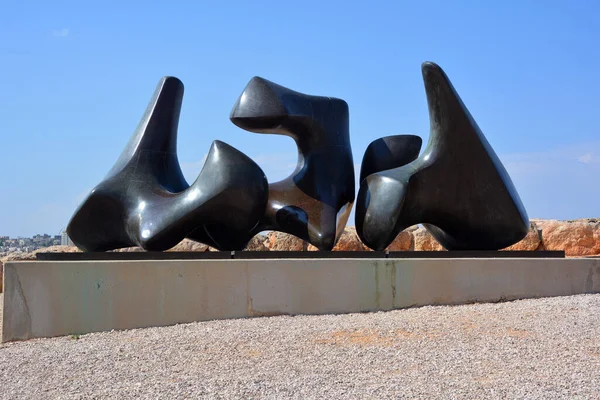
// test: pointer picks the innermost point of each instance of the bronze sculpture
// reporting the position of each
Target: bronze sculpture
(314, 202)
(145, 201)
(458, 188)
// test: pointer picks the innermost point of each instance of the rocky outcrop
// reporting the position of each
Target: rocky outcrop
(257, 243)
(577, 238)
(187, 245)
(19, 256)
(348, 241)
(405, 241)
(190, 245)
(279, 241)
(531, 242)
(424, 241)
(127, 250)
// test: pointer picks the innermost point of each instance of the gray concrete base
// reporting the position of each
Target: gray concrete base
(54, 298)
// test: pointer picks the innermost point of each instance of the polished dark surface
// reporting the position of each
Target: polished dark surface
(314, 202)
(458, 188)
(258, 255)
(145, 201)
(389, 152)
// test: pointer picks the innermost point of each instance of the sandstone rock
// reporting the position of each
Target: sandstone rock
(279, 241)
(127, 250)
(257, 243)
(531, 242)
(58, 249)
(1, 272)
(424, 241)
(349, 241)
(405, 241)
(33, 255)
(188, 245)
(577, 238)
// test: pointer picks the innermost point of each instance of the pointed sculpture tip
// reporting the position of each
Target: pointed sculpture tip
(170, 81)
(429, 68)
(434, 75)
(258, 79)
(213, 151)
(170, 78)
(217, 146)
(220, 146)
(429, 64)
(220, 151)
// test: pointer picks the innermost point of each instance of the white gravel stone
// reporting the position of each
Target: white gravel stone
(533, 349)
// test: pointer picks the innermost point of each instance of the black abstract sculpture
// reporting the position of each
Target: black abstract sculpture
(145, 201)
(315, 201)
(458, 188)
(388, 153)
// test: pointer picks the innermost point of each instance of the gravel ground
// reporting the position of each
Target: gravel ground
(533, 349)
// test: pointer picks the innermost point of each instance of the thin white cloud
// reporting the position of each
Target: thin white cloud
(64, 32)
(551, 159)
(586, 158)
(557, 183)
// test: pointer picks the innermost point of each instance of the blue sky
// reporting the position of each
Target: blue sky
(77, 77)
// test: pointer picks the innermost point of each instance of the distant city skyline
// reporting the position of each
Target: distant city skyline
(79, 75)
(32, 236)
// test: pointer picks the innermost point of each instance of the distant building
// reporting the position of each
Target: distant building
(65, 240)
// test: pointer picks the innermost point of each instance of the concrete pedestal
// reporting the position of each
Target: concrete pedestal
(54, 298)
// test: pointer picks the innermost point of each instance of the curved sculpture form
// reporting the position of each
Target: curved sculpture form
(145, 201)
(314, 202)
(458, 188)
(389, 152)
